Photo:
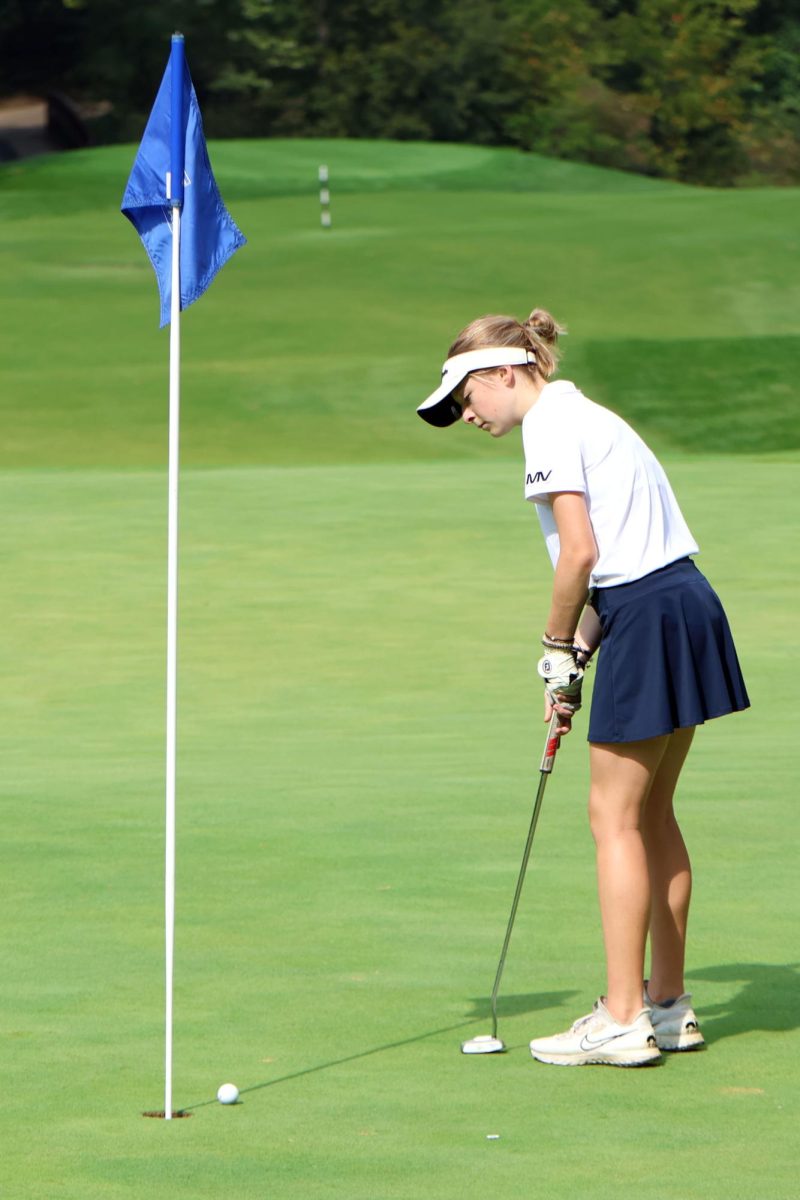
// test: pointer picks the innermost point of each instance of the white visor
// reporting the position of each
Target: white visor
(441, 408)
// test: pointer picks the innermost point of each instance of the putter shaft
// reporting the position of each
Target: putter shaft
(545, 768)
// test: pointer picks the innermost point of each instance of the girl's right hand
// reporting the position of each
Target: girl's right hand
(565, 715)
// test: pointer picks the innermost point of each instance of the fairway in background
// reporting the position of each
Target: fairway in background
(319, 344)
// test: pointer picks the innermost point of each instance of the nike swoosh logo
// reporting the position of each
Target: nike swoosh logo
(588, 1043)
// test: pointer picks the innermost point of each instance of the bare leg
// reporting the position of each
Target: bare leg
(670, 873)
(621, 779)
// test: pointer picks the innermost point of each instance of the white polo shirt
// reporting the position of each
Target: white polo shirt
(572, 444)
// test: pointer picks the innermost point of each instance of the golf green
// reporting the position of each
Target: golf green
(359, 719)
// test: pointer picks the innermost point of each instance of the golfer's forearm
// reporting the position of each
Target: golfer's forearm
(589, 633)
(570, 590)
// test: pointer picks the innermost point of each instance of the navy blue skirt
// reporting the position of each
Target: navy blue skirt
(667, 659)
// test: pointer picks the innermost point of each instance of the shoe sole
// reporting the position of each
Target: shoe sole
(619, 1058)
(687, 1039)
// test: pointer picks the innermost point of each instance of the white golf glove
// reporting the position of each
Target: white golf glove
(563, 678)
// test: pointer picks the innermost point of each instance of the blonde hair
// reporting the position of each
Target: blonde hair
(538, 333)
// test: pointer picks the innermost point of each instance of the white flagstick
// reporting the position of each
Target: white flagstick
(172, 641)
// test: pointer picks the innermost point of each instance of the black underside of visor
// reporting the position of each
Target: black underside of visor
(445, 413)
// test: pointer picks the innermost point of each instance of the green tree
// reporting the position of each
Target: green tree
(267, 57)
(554, 61)
(660, 86)
(771, 139)
(692, 71)
(371, 68)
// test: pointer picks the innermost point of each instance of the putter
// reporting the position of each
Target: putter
(487, 1043)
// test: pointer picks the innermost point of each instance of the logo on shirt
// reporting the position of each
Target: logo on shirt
(539, 477)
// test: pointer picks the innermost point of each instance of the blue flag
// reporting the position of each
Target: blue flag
(208, 234)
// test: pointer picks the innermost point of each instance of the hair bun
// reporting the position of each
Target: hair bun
(544, 326)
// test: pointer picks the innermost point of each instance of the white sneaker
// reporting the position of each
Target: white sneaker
(675, 1024)
(598, 1038)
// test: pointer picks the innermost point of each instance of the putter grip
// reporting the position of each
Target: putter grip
(550, 746)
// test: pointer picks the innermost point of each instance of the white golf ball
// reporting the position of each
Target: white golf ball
(228, 1093)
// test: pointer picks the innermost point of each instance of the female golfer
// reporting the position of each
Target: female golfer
(624, 576)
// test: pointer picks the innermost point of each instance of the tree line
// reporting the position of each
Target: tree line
(703, 91)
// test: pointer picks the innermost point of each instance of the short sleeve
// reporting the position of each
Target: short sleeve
(553, 460)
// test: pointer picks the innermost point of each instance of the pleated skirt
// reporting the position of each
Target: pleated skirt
(667, 659)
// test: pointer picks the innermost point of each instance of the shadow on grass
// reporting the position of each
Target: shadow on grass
(518, 1004)
(767, 999)
(338, 1062)
(511, 1005)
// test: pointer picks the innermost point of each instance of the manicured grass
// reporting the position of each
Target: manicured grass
(317, 345)
(360, 725)
(89, 180)
(360, 731)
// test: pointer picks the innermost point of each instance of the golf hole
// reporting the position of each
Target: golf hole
(161, 1115)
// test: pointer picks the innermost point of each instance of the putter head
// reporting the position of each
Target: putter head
(485, 1043)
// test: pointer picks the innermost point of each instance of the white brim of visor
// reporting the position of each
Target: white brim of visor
(441, 408)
